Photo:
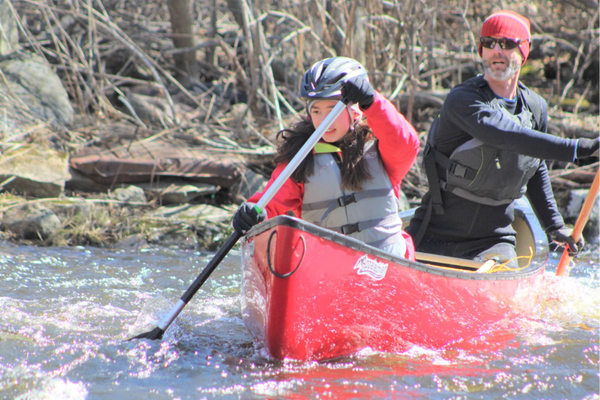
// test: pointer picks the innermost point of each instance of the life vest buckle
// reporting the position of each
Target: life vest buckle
(350, 228)
(458, 170)
(345, 200)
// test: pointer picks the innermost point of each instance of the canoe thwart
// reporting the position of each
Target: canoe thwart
(455, 262)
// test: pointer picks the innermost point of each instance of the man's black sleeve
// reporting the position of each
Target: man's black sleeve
(539, 192)
(470, 112)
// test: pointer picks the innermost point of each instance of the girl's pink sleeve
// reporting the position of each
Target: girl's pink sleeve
(398, 140)
(288, 197)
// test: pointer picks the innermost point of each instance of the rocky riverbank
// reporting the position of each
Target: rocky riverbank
(106, 141)
(126, 219)
(123, 218)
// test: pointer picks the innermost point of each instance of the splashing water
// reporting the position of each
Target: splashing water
(67, 312)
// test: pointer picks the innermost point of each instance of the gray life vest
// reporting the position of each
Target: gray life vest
(370, 215)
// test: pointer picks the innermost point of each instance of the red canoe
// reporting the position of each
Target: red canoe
(309, 293)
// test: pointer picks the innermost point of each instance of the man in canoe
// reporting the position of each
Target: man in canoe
(350, 182)
(486, 149)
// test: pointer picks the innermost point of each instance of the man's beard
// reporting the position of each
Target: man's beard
(499, 75)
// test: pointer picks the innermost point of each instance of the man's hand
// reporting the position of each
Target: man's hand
(587, 147)
(246, 217)
(562, 236)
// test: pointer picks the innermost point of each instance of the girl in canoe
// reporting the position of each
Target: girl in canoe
(350, 183)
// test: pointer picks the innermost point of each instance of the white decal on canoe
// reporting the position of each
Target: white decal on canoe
(375, 269)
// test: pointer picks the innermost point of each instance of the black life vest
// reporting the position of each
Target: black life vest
(482, 173)
(477, 171)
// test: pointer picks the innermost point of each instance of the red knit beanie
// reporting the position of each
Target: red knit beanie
(510, 25)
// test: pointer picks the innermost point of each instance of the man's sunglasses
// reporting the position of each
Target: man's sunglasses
(505, 44)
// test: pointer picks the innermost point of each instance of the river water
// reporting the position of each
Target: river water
(67, 312)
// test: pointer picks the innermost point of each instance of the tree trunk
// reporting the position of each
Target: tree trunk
(181, 25)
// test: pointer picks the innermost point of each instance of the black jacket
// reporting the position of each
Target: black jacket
(472, 111)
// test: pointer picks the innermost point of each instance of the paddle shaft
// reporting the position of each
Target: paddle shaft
(561, 269)
(235, 236)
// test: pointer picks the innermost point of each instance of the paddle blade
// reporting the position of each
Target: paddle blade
(154, 334)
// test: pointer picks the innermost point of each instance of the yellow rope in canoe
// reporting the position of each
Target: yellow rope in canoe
(505, 267)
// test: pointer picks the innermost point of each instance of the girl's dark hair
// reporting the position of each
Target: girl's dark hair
(353, 168)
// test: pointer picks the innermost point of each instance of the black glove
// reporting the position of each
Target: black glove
(587, 147)
(246, 217)
(358, 90)
(563, 237)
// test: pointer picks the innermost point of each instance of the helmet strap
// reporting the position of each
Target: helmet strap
(352, 109)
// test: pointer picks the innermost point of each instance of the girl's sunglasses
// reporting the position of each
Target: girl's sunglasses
(505, 44)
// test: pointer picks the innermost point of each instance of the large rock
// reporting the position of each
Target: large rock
(33, 171)
(31, 221)
(29, 80)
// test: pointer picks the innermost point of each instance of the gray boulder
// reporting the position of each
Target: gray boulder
(131, 195)
(31, 221)
(30, 81)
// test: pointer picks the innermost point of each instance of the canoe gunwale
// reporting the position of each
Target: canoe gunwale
(523, 211)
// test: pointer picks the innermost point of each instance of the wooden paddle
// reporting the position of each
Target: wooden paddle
(561, 269)
(157, 333)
